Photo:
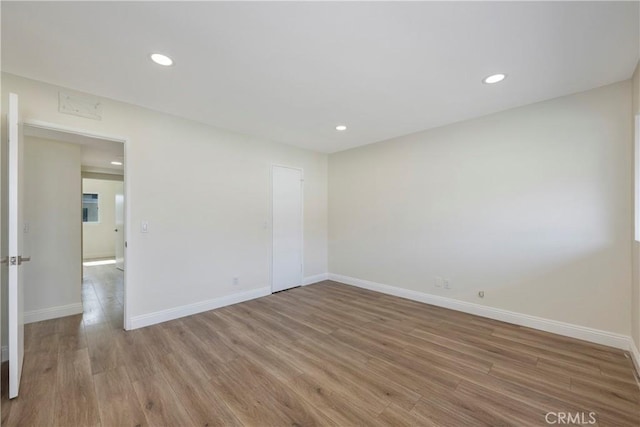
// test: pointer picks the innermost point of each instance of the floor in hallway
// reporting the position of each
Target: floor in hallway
(103, 295)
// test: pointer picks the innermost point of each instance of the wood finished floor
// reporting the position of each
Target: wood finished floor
(327, 354)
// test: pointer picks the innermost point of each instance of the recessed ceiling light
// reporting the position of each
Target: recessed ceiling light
(341, 127)
(161, 59)
(116, 163)
(494, 78)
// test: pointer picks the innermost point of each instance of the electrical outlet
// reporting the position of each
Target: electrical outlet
(236, 280)
(437, 282)
(447, 283)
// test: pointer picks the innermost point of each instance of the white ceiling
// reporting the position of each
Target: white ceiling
(97, 154)
(292, 71)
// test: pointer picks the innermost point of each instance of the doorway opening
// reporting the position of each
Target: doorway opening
(95, 227)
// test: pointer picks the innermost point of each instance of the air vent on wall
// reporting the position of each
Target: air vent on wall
(78, 105)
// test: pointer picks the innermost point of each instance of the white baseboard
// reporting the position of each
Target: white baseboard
(103, 255)
(309, 280)
(5, 353)
(52, 312)
(556, 327)
(149, 319)
(635, 355)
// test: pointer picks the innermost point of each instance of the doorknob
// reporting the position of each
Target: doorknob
(4, 260)
(22, 259)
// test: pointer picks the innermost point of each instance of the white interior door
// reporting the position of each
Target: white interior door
(120, 231)
(287, 228)
(15, 294)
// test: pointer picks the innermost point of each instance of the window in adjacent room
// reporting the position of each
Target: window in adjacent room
(90, 207)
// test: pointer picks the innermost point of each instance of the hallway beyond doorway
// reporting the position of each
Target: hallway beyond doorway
(103, 294)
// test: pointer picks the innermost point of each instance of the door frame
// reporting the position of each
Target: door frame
(636, 181)
(127, 189)
(118, 245)
(15, 246)
(277, 165)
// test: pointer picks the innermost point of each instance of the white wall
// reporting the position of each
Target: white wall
(205, 193)
(532, 205)
(99, 239)
(52, 208)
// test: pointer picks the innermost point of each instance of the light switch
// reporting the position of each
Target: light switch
(144, 227)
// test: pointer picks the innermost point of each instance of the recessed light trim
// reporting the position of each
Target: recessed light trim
(494, 78)
(161, 59)
(341, 128)
(116, 163)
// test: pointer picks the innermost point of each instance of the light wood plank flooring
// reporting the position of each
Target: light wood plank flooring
(327, 354)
